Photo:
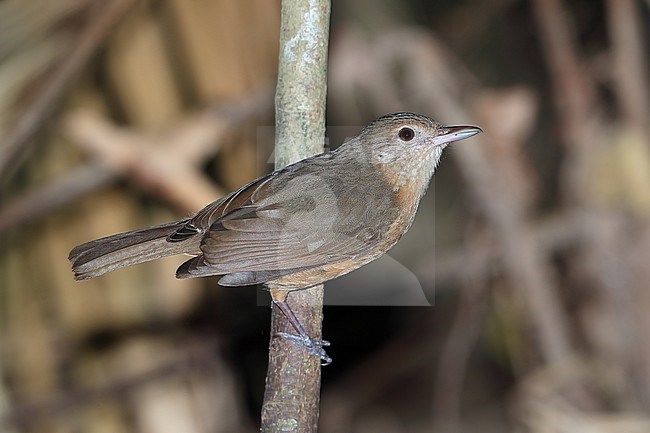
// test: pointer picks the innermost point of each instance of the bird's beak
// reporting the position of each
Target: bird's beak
(449, 134)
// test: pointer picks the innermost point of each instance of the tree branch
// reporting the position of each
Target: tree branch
(145, 160)
(292, 395)
(629, 61)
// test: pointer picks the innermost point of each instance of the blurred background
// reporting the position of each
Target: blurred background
(535, 236)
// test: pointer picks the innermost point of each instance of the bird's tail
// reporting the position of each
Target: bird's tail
(103, 255)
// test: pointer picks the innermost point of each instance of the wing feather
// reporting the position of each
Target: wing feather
(268, 229)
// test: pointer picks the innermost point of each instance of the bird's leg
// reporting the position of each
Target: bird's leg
(314, 347)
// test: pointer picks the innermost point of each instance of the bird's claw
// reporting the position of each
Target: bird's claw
(314, 347)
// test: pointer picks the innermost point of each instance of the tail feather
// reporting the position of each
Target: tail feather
(103, 255)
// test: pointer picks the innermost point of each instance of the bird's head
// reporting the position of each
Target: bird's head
(406, 147)
(402, 136)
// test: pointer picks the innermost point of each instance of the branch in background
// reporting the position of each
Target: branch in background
(166, 173)
(574, 92)
(526, 264)
(479, 259)
(39, 204)
(164, 166)
(292, 394)
(629, 61)
(15, 143)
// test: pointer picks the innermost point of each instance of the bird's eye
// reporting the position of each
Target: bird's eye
(406, 134)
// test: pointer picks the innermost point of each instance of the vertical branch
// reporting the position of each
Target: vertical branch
(573, 90)
(292, 395)
(629, 59)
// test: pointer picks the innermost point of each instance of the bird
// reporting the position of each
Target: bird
(301, 225)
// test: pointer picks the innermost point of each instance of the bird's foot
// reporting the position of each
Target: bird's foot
(314, 347)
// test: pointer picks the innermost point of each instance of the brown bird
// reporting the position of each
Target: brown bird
(301, 225)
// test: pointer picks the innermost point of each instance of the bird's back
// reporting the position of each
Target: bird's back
(315, 216)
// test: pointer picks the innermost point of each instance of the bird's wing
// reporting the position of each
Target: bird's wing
(218, 209)
(279, 225)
